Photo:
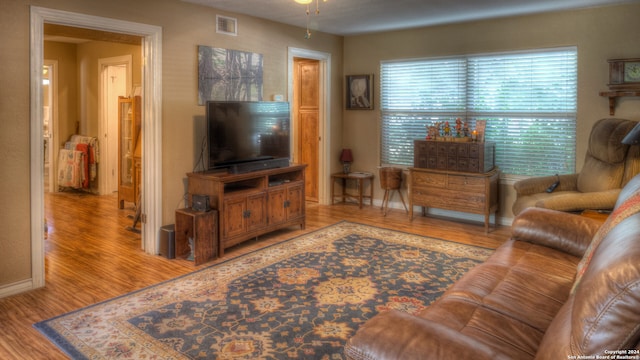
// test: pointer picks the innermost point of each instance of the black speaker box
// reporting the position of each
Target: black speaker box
(168, 241)
(200, 202)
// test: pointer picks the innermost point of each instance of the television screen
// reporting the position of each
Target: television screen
(241, 131)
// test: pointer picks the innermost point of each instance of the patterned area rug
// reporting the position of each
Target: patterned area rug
(299, 299)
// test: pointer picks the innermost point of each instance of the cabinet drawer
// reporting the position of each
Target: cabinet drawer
(432, 162)
(450, 200)
(474, 151)
(421, 147)
(421, 160)
(463, 150)
(442, 149)
(429, 180)
(467, 184)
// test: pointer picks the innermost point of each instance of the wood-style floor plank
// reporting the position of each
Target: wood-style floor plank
(91, 257)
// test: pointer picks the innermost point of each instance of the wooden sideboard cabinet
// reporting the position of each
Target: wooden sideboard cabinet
(475, 193)
(472, 157)
(252, 204)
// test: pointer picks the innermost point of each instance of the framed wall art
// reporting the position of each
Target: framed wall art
(225, 75)
(359, 92)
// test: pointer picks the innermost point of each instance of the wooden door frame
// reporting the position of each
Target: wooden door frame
(324, 118)
(53, 129)
(151, 123)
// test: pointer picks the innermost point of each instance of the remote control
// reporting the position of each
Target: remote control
(554, 185)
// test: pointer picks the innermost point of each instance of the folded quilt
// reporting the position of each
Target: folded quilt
(70, 168)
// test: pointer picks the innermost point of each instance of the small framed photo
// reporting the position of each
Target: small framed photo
(359, 92)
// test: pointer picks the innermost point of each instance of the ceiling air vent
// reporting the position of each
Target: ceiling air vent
(226, 25)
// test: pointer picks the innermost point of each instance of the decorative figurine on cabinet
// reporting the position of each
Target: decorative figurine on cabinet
(458, 127)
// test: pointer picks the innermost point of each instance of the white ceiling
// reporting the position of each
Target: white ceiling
(350, 17)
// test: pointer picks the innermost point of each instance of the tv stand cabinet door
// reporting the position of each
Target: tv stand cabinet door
(277, 210)
(286, 203)
(256, 211)
(242, 214)
(296, 201)
(233, 217)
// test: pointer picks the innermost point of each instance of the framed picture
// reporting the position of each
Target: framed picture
(225, 74)
(359, 92)
(624, 74)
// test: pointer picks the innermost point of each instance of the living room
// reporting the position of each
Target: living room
(599, 34)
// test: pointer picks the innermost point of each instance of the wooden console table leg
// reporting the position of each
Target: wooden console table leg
(371, 192)
(385, 202)
(360, 182)
(333, 187)
(402, 198)
(487, 217)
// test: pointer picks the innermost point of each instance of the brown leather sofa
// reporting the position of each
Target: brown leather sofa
(562, 287)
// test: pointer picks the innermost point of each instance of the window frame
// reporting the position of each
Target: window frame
(559, 118)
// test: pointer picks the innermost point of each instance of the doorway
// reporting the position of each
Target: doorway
(50, 122)
(115, 81)
(323, 116)
(152, 121)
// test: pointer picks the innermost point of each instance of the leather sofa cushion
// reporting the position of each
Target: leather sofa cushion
(508, 302)
(629, 207)
(604, 311)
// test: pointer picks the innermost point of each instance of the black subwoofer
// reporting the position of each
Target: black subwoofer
(168, 241)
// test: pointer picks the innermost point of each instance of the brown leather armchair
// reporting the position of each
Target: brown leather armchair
(608, 166)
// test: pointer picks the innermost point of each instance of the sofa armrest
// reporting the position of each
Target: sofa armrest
(397, 335)
(566, 232)
(536, 185)
(580, 201)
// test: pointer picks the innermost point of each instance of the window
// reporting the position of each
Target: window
(528, 99)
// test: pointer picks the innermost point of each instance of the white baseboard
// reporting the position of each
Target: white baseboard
(16, 288)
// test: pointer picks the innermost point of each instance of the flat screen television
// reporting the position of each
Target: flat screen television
(243, 131)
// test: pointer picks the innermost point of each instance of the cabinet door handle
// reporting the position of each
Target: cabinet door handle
(287, 203)
(246, 214)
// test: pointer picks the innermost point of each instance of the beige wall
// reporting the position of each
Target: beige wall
(184, 27)
(78, 82)
(65, 54)
(88, 56)
(599, 33)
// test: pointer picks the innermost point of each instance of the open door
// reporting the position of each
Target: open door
(306, 108)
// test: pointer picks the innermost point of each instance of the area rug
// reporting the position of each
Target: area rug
(300, 299)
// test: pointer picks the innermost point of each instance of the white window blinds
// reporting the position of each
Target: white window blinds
(527, 98)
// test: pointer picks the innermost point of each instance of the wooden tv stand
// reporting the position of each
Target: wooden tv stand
(253, 203)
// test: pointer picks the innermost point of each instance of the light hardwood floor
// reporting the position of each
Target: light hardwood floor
(91, 257)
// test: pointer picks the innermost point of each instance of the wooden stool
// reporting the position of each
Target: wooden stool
(390, 179)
